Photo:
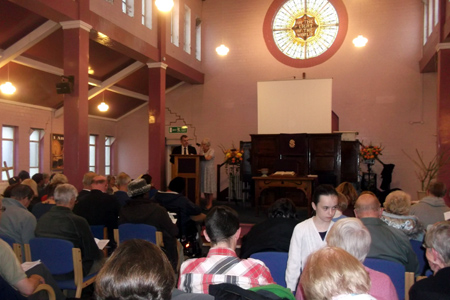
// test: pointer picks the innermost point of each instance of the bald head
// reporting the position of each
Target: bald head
(368, 206)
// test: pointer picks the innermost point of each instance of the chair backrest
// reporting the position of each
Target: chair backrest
(99, 231)
(55, 254)
(420, 253)
(8, 240)
(394, 270)
(130, 231)
(276, 262)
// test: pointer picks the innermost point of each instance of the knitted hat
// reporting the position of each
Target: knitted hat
(138, 187)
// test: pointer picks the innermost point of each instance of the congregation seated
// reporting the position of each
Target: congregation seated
(221, 265)
(351, 235)
(431, 209)
(187, 212)
(273, 234)
(396, 214)
(341, 207)
(17, 222)
(123, 179)
(332, 273)
(141, 210)
(99, 208)
(388, 243)
(349, 191)
(12, 273)
(87, 182)
(42, 207)
(437, 244)
(61, 223)
(139, 270)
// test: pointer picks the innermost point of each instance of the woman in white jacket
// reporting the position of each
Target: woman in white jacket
(310, 234)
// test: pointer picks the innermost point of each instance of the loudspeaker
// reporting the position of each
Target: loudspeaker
(66, 85)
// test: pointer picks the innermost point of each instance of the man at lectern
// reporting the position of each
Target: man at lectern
(184, 148)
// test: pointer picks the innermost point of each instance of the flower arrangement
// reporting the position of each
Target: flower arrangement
(370, 152)
(233, 156)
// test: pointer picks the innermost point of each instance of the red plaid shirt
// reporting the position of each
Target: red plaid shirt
(222, 266)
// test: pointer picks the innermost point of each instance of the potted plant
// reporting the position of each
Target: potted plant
(428, 171)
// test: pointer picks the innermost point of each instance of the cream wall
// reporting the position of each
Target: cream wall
(377, 90)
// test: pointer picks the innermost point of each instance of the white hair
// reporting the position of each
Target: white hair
(64, 193)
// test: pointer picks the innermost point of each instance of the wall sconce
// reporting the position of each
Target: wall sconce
(164, 5)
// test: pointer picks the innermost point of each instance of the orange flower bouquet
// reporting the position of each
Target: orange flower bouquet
(370, 152)
(233, 156)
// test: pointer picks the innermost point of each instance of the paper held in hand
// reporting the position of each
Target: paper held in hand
(101, 243)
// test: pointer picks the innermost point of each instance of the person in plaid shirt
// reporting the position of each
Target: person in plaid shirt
(222, 265)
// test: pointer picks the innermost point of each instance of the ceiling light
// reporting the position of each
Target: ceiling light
(8, 88)
(360, 41)
(103, 106)
(164, 5)
(90, 70)
(222, 50)
(102, 35)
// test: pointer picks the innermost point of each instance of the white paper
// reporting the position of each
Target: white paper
(30, 264)
(447, 215)
(101, 243)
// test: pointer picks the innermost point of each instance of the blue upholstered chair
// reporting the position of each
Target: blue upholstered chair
(130, 231)
(276, 262)
(17, 248)
(99, 231)
(420, 253)
(60, 257)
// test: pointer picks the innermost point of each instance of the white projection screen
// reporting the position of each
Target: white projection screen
(294, 106)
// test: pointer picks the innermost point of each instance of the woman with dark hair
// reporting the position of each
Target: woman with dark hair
(138, 269)
(273, 234)
(309, 235)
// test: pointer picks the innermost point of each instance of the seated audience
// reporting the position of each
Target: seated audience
(59, 177)
(123, 179)
(431, 209)
(349, 191)
(39, 179)
(351, 235)
(87, 181)
(26, 283)
(23, 175)
(17, 222)
(112, 188)
(61, 223)
(139, 270)
(222, 264)
(99, 208)
(187, 212)
(42, 207)
(148, 179)
(140, 210)
(437, 286)
(387, 242)
(273, 234)
(341, 207)
(309, 235)
(33, 185)
(333, 273)
(396, 214)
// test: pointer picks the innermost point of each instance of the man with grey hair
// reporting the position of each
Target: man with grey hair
(351, 235)
(437, 243)
(61, 223)
(87, 181)
(387, 242)
(431, 209)
(123, 179)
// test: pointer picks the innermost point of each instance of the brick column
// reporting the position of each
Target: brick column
(76, 139)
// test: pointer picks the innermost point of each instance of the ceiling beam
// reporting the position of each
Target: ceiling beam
(28, 41)
(114, 79)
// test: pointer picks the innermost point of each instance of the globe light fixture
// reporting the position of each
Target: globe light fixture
(103, 106)
(360, 41)
(222, 50)
(8, 88)
(164, 5)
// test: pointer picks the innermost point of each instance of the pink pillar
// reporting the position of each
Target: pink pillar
(76, 140)
(444, 113)
(156, 134)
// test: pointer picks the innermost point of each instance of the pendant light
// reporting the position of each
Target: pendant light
(222, 50)
(8, 88)
(103, 107)
(360, 40)
(164, 5)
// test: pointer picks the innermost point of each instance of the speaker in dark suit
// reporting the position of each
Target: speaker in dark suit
(181, 150)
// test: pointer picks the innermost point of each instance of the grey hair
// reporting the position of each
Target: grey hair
(206, 141)
(351, 235)
(438, 238)
(123, 179)
(64, 193)
(59, 178)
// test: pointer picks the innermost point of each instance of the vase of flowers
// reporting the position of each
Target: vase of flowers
(370, 153)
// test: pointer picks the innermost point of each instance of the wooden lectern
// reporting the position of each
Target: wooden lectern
(188, 167)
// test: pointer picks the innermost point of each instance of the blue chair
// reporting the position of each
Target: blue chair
(60, 257)
(394, 270)
(99, 231)
(8, 240)
(15, 246)
(420, 253)
(276, 262)
(130, 231)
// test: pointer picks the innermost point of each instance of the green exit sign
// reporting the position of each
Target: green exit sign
(182, 129)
